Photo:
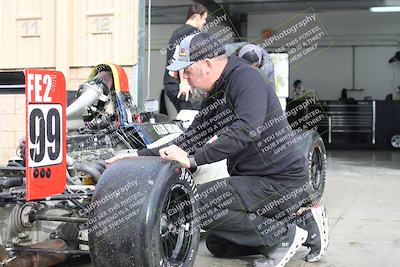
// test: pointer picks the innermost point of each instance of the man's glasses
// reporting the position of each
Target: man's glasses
(188, 68)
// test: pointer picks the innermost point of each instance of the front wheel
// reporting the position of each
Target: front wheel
(145, 215)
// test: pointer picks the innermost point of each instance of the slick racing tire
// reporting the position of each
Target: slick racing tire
(315, 152)
(143, 213)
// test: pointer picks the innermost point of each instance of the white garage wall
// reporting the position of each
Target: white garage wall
(374, 74)
(352, 24)
(331, 70)
(376, 37)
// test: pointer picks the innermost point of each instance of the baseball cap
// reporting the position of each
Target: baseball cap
(194, 48)
(251, 52)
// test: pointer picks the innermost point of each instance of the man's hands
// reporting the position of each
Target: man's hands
(184, 89)
(174, 152)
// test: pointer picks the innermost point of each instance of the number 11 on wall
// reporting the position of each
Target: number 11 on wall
(45, 154)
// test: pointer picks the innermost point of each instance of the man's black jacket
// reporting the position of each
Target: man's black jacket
(253, 135)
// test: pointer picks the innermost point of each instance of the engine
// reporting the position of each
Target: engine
(97, 129)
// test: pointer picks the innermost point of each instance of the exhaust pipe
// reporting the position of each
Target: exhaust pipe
(90, 96)
(92, 91)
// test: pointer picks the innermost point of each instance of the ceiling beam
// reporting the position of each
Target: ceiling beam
(317, 5)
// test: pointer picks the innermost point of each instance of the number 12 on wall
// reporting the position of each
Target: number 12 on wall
(45, 133)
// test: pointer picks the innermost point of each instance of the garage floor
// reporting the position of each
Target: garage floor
(363, 202)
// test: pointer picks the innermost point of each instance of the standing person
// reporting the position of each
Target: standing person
(176, 88)
(298, 89)
(254, 211)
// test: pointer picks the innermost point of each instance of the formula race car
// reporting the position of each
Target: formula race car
(140, 211)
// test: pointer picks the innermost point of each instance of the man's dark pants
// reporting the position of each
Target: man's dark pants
(251, 211)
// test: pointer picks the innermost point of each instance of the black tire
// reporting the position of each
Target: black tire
(395, 141)
(152, 223)
(313, 149)
(317, 163)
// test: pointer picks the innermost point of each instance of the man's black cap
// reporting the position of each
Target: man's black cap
(194, 48)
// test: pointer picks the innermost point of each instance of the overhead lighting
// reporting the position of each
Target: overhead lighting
(385, 9)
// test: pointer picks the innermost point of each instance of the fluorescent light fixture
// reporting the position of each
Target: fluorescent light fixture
(385, 9)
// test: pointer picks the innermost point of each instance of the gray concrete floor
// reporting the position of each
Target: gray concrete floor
(363, 202)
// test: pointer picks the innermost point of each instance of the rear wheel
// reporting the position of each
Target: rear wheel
(317, 164)
(314, 150)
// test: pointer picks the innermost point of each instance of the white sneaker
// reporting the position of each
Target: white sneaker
(280, 254)
(316, 223)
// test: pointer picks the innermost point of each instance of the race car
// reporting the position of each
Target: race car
(141, 211)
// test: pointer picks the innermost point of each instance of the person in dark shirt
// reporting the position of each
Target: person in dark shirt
(176, 88)
(257, 209)
(298, 89)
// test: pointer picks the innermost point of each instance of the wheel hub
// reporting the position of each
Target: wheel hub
(175, 226)
(395, 141)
